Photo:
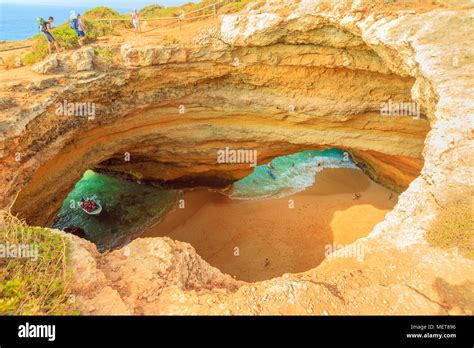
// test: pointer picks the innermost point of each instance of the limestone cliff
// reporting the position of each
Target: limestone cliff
(284, 77)
(298, 83)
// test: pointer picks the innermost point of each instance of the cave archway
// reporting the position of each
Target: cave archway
(318, 88)
(206, 81)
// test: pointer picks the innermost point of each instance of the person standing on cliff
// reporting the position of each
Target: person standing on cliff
(136, 22)
(49, 35)
(80, 30)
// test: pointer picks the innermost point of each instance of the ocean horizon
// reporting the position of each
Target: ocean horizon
(20, 21)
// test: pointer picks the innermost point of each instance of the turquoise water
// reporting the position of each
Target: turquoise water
(293, 173)
(127, 208)
(130, 207)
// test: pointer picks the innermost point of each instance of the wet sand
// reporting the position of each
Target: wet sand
(260, 239)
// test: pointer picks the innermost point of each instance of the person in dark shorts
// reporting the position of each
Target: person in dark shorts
(49, 35)
(80, 30)
(136, 22)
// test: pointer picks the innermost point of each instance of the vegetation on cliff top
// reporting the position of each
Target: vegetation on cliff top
(67, 38)
(102, 12)
(156, 11)
(227, 6)
(38, 282)
(454, 228)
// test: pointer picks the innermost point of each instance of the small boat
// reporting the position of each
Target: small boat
(269, 172)
(91, 207)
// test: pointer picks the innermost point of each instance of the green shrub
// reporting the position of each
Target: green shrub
(454, 228)
(33, 57)
(106, 58)
(96, 29)
(30, 286)
(39, 52)
(150, 11)
(102, 12)
(104, 52)
(157, 11)
(66, 36)
(241, 4)
(235, 6)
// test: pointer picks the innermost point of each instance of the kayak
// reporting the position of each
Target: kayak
(91, 207)
(93, 212)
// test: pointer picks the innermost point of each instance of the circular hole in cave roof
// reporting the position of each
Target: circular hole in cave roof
(284, 217)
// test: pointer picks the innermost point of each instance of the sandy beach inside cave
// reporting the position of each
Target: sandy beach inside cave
(272, 238)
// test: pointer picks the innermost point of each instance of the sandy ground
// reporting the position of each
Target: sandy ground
(262, 239)
(168, 31)
(163, 32)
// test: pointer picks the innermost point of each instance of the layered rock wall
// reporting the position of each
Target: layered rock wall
(287, 54)
(296, 83)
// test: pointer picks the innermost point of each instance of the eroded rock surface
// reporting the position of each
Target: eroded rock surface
(132, 280)
(310, 81)
(280, 78)
(161, 276)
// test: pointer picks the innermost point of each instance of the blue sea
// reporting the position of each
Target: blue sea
(19, 21)
(290, 174)
(127, 208)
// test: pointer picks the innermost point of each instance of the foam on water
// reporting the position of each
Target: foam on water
(293, 174)
(127, 208)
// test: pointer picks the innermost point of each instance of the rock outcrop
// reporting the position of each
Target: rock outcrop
(160, 276)
(118, 282)
(308, 82)
(282, 78)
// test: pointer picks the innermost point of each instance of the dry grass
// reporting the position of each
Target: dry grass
(107, 58)
(33, 285)
(454, 228)
(11, 62)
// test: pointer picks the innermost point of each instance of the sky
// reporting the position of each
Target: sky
(94, 3)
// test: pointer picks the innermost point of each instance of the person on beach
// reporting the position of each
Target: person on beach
(267, 262)
(356, 195)
(80, 30)
(136, 22)
(270, 165)
(49, 35)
